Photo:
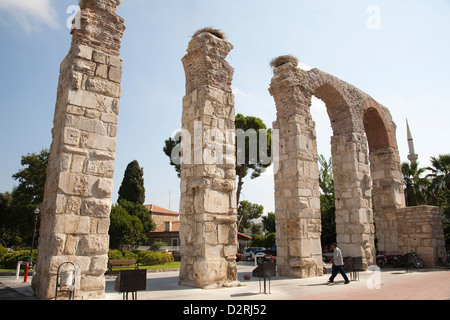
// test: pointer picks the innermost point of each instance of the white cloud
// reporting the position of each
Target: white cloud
(30, 14)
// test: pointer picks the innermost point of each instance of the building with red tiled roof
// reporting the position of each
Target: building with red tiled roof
(168, 227)
(161, 215)
(168, 232)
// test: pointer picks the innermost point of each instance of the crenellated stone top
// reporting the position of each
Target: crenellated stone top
(98, 26)
(205, 62)
(108, 5)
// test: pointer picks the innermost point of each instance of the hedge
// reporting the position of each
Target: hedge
(151, 258)
(145, 258)
(10, 260)
(3, 252)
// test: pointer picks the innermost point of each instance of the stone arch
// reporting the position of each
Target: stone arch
(378, 128)
(292, 89)
(385, 165)
(337, 108)
(352, 182)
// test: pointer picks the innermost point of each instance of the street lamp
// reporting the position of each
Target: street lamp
(36, 213)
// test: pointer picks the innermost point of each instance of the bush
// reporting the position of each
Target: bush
(129, 255)
(3, 252)
(157, 245)
(10, 260)
(151, 258)
(114, 254)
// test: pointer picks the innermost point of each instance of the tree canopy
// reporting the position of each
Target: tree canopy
(249, 128)
(132, 187)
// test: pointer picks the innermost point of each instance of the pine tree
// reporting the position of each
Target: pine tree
(132, 188)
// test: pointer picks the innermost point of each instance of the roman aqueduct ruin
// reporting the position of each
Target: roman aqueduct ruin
(79, 186)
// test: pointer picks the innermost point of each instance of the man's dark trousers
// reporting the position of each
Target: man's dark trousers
(338, 269)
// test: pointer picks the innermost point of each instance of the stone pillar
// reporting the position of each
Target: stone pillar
(208, 234)
(297, 198)
(388, 195)
(79, 184)
(353, 194)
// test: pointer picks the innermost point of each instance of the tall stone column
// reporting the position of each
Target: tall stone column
(353, 194)
(297, 198)
(388, 195)
(79, 184)
(208, 235)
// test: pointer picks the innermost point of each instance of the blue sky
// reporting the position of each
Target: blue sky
(402, 63)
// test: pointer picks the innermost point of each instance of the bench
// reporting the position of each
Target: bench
(129, 263)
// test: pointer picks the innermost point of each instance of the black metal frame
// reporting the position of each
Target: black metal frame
(71, 292)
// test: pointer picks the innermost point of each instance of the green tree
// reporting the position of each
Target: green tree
(16, 208)
(446, 215)
(266, 241)
(248, 211)
(124, 229)
(255, 162)
(414, 185)
(7, 232)
(132, 188)
(269, 222)
(439, 189)
(31, 178)
(440, 172)
(174, 159)
(140, 211)
(327, 201)
(130, 224)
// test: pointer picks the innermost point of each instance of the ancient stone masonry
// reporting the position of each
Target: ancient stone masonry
(297, 180)
(297, 198)
(79, 185)
(208, 232)
(362, 130)
(420, 229)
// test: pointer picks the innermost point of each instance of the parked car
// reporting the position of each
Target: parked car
(248, 253)
(272, 251)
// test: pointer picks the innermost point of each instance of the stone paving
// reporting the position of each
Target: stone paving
(394, 284)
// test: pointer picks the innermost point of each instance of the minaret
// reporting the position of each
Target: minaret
(412, 154)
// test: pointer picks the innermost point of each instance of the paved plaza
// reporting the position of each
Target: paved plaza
(389, 284)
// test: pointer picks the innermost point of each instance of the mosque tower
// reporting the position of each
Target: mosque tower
(412, 154)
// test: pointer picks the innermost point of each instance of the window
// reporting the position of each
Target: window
(174, 242)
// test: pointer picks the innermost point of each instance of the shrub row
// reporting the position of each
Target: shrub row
(9, 260)
(145, 258)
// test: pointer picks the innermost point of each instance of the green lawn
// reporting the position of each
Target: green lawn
(159, 266)
(163, 266)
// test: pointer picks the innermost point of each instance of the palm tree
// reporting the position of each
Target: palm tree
(413, 184)
(440, 171)
(439, 179)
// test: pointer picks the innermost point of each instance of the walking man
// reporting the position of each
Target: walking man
(338, 265)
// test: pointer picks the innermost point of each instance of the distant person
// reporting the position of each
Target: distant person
(338, 265)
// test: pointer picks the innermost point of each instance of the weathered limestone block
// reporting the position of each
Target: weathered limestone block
(79, 184)
(420, 229)
(352, 184)
(297, 198)
(388, 196)
(354, 116)
(208, 234)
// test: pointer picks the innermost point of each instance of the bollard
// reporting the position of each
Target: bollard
(22, 263)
